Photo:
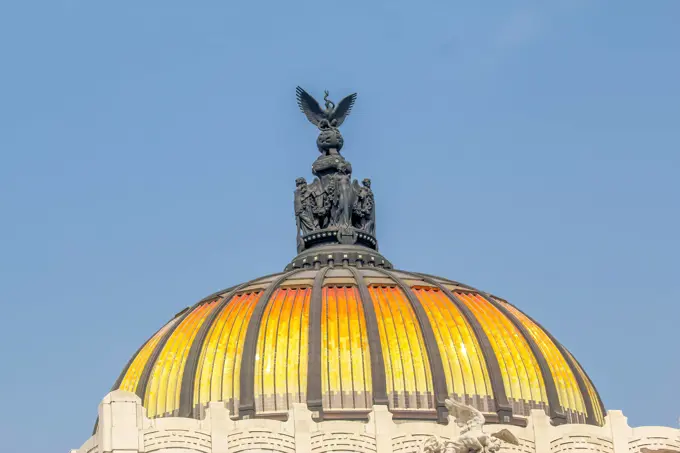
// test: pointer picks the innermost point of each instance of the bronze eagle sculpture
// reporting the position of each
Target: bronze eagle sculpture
(331, 116)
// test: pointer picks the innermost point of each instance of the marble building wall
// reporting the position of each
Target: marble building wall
(124, 428)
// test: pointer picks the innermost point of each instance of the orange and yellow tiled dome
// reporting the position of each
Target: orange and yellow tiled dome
(342, 339)
(341, 331)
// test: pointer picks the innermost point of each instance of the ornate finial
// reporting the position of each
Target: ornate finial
(332, 208)
(335, 214)
(328, 120)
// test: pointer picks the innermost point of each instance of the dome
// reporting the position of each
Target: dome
(342, 338)
(341, 330)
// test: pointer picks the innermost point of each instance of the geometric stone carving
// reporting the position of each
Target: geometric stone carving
(160, 440)
(260, 441)
(581, 442)
(335, 441)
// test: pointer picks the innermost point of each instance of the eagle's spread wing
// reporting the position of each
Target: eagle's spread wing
(465, 414)
(309, 106)
(344, 107)
(506, 436)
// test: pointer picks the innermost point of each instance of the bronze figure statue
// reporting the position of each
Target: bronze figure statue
(364, 207)
(325, 200)
(305, 205)
(328, 119)
(344, 197)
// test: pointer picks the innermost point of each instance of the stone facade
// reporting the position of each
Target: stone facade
(124, 428)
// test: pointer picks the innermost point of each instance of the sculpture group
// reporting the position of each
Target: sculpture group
(332, 201)
(473, 439)
(337, 204)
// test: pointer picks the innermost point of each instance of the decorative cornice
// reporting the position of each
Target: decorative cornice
(339, 255)
(217, 432)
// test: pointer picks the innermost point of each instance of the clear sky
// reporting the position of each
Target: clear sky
(149, 153)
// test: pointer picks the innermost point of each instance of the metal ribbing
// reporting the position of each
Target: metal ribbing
(590, 409)
(435, 358)
(119, 381)
(148, 366)
(503, 407)
(186, 397)
(314, 392)
(378, 377)
(453, 282)
(557, 414)
(247, 377)
(597, 394)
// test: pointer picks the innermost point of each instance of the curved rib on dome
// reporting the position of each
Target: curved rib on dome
(343, 339)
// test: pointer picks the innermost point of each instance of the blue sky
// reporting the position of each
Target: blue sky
(149, 154)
